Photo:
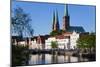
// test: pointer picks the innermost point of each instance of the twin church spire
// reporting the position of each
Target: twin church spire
(55, 21)
(56, 26)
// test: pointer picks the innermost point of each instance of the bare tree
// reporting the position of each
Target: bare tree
(20, 24)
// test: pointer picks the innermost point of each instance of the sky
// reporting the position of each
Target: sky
(42, 15)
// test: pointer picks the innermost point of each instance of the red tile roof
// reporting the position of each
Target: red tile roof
(61, 37)
(67, 33)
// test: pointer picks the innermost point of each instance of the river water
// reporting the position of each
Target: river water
(50, 59)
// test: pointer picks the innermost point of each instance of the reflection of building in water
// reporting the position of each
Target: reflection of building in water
(50, 58)
(66, 40)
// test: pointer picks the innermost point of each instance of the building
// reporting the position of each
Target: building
(73, 40)
(38, 42)
(17, 40)
(66, 23)
(66, 40)
(62, 42)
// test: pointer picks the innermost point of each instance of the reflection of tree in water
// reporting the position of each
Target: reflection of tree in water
(54, 58)
(79, 58)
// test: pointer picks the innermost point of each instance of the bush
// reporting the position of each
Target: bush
(19, 54)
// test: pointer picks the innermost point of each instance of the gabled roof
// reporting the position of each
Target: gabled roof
(78, 29)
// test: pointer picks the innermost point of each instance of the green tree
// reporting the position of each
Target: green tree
(54, 33)
(19, 54)
(54, 44)
(87, 42)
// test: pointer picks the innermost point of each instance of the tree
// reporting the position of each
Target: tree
(53, 33)
(19, 54)
(20, 26)
(59, 32)
(20, 23)
(54, 44)
(87, 42)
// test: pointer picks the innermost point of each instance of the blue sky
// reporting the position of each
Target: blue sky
(42, 15)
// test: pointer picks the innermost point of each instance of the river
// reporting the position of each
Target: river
(50, 59)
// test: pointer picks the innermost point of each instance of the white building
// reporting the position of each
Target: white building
(73, 40)
(33, 44)
(65, 41)
(62, 42)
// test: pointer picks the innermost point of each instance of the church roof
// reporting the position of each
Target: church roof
(78, 29)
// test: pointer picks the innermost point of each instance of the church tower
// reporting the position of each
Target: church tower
(66, 18)
(55, 26)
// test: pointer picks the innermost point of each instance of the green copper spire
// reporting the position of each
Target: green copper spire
(66, 10)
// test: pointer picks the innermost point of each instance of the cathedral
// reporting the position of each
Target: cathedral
(66, 23)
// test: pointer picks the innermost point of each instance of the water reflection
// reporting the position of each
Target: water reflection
(49, 59)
